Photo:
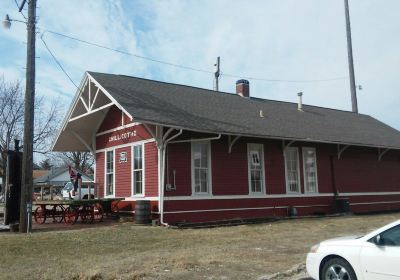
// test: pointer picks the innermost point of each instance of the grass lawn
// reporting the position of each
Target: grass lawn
(127, 251)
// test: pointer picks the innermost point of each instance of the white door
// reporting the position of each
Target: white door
(382, 262)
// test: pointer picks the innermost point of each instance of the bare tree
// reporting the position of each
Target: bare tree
(79, 160)
(12, 120)
(46, 164)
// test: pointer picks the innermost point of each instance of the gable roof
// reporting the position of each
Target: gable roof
(59, 176)
(209, 111)
(39, 173)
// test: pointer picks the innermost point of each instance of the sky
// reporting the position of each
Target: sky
(288, 40)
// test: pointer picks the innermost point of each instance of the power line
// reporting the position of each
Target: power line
(284, 81)
(189, 67)
(16, 3)
(58, 62)
(128, 53)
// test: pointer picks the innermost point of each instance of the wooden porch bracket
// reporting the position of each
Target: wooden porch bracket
(150, 130)
(340, 150)
(231, 142)
(286, 145)
(381, 153)
(167, 133)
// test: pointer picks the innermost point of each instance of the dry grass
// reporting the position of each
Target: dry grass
(126, 251)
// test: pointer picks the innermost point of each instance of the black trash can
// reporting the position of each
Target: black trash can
(342, 205)
(142, 212)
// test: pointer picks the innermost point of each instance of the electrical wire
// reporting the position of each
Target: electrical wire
(284, 81)
(128, 53)
(57, 61)
(16, 3)
(188, 67)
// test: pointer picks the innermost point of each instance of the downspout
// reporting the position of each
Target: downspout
(333, 177)
(162, 145)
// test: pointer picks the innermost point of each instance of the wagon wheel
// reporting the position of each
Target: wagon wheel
(58, 213)
(114, 211)
(87, 214)
(40, 214)
(71, 215)
(98, 212)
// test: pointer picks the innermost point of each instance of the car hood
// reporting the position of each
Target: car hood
(342, 240)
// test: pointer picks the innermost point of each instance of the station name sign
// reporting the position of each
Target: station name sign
(122, 136)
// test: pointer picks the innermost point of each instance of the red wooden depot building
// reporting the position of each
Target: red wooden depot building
(201, 155)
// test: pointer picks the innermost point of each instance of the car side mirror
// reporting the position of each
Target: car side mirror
(378, 240)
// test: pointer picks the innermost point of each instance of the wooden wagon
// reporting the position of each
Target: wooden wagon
(69, 211)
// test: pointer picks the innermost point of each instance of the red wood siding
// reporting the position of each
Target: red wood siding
(274, 167)
(151, 169)
(178, 159)
(100, 161)
(243, 208)
(122, 136)
(359, 170)
(122, 173)
(127, 119)
(368, 203)
(324, 154)
(114, 119)
(229, 171)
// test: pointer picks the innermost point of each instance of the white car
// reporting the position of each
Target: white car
(374, 256)
(67, 192)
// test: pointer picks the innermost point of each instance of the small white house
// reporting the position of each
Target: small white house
(60, 176)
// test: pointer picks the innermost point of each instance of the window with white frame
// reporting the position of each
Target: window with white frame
(310, 170)
(292, 170)
(255, 158)
(137, 170)
(201, 179)
(109, 182)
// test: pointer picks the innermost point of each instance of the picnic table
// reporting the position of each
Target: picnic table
(69, 211)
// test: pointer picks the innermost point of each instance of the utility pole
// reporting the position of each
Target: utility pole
(216, 75)
(350, 58)
(25, 219)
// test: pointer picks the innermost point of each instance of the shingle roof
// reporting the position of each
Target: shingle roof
(218, 112)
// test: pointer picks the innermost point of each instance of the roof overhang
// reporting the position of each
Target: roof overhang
(85, 116)
(272, 137)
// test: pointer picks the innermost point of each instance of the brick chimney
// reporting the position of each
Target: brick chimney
(243, 88)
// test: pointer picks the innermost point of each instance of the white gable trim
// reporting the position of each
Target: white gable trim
(78, 94)
(109, 96)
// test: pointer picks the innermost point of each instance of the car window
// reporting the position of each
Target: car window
(391, 237)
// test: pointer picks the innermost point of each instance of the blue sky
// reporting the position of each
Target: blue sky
(274, 39)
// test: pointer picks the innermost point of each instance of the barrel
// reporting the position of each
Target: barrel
(342, 205)
(142, 212)
(292, 211)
